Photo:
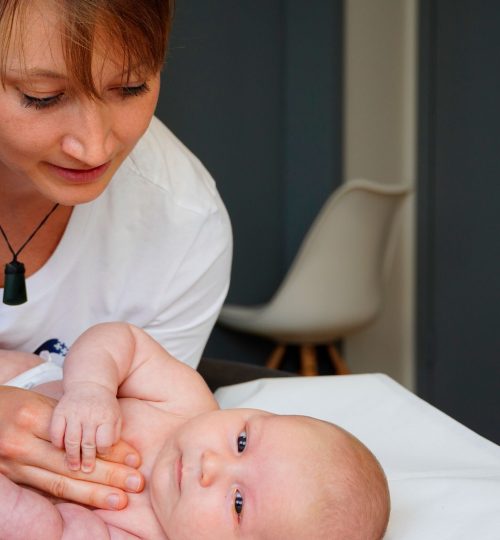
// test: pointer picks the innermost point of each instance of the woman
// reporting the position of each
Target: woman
(107, 214)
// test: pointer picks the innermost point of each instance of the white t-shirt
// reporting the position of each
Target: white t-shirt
(154, 250)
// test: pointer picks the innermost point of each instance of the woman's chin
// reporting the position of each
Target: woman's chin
(72, 194)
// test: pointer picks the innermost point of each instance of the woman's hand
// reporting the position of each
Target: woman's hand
(28, 457)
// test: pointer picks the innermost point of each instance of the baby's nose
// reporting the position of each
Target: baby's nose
(213, 466)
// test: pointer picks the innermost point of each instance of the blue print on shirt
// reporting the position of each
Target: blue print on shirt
(56, 348)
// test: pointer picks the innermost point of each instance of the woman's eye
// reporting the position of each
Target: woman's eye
(40, 103)
(242, 441)
(130, 91)
(238, 502)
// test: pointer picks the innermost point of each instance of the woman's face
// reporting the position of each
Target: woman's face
(59, 142)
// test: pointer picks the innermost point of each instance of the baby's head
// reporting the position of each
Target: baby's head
(246, 473)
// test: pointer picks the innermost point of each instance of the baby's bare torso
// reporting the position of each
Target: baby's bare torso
(146, 428)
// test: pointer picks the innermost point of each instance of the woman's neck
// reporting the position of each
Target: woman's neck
(20, 215)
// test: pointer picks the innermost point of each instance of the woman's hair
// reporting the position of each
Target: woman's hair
(138, 28)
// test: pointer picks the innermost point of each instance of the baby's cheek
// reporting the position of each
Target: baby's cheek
(201, 521)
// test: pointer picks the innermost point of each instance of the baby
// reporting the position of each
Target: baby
(210, 473)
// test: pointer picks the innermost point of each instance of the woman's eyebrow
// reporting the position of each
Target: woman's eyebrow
(39, 73)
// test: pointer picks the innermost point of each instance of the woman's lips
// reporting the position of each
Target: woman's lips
(80, 176)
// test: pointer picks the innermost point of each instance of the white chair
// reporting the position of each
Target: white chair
(335, 284)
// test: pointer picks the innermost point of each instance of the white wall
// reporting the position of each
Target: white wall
(380, 144)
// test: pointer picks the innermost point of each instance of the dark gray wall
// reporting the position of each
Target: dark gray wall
(459, 211)
(254, 90)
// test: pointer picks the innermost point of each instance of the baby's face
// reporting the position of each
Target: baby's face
(235, 474)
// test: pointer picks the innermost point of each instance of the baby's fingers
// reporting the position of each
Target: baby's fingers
(72, 444)
(88, 449)
(57, 429)
(100, 439)
(106, 436)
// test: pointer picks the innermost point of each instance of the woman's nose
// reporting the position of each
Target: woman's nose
(90, 138)
(214, 467)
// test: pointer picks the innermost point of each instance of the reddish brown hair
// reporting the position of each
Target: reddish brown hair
(140, 28)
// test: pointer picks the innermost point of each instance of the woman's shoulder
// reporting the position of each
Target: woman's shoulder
(161, 163)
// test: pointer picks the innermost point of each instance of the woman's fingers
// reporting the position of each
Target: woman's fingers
(122, 452)
(45, 457)
(25, 411)
(80, 491)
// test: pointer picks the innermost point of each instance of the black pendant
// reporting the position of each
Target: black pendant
(14, 289)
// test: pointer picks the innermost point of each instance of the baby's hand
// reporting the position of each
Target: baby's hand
(86, 418)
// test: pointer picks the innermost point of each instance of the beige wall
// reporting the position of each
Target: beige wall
(380, 144)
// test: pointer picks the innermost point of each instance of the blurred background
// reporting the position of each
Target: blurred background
(284, 100)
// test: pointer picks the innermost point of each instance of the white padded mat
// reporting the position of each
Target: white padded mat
(444, 478)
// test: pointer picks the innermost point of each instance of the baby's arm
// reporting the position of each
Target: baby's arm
(119, 359)
(87, 418)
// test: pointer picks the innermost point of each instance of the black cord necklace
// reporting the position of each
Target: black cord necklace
(14, 289)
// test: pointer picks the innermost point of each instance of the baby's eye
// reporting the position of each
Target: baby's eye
(242, 441)
(238, 502)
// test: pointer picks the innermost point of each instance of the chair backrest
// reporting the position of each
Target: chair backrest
(335, 282)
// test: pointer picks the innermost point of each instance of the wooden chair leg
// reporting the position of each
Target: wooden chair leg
(308, 360)
(338, 363)
(275, 358)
